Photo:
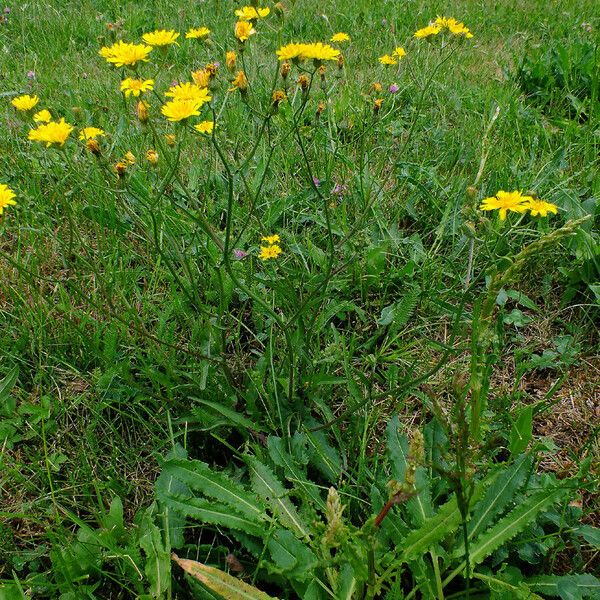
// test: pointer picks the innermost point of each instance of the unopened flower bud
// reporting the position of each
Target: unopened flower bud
(93, 146)
(377, 105)
(170, 139)
(303, 82)
(142, 111)
(472, 192)
(231, 60)
(285, 69)
(120, 169)
(152, 157)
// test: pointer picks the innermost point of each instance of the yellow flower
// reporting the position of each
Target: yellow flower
(505, 201)
(142, 111)
(386, 59)
(319, 51)
(249, 13)
(90, 133)
(120, 168)
(161, 37)
(152, 157)
(55, 132)
(278, 97)
(540, 207)
(399, 52)
(291, 51)
(178, 110)
(271, 239)
(377, 104)
(303, 82)
(43, 116)
(340, 37)
(453, 26)
(268, 252)
(230, 60)
(6, 197)
(243, 30)
(129, 158)
(425, 32)
(201, 78)
(205, 127)
(189, 91)
(240, 82)
(136, 87)
(197, 33)
(123, 54)
(25, 102)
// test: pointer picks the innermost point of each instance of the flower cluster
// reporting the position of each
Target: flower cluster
(392, 59)
(314, 51)
(515, 201)
(271, 249)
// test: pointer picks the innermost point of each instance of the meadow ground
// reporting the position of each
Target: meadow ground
(138, 319)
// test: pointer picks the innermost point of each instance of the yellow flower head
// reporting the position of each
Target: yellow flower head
(278, 97)
(6, 197)
(123, 54)
(53, 133)
(161, 37)
(90, 133)
(43, 116)
(152, 157)
(179, 110)
(243, 30)
(428, 31)
(505, 201)
(249, 13)
(143, 111)
(120, 168)
(453, 26)
(170, 138)
(290, 51)
(201, 78)
(129, 157)
(240, 82)
(231, 60)
(205, 127)
(93, 146)
(269, 252)
(197, 33)
(24, 103)
(340, 37)
(540, 207)
(319, 51)
(399, 53)
(136, 87)
(189, 91)
(271, 239)
(386, 59)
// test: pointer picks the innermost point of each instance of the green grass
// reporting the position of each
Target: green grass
(130, 330)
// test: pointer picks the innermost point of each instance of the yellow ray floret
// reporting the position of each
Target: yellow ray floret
(6, 197)
(243, 30)
(340, 37)
(136, 87)
(179, 110)
(43, 116)
(540, 208)
(25, 102)
(205, 127)
(250, 13)
(53, 133)
(506, 201)
(91, 133)
(197, 33)
(189, 91)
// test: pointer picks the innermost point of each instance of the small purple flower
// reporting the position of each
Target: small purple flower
(6, 10)
(339, 189)
(316, 181)
(239, 254)
(174, 83)
(30, 75)
(394, 88)
(217, 64)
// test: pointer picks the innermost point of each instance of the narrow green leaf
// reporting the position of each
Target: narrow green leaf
(585, 585)
(158, 565)
(522, 431)
(295, 559)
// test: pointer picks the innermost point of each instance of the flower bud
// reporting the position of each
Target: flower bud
(93, 146)
(170, 139)
(231, 60)
(377, 105)
(303, 82)
(152, 157)
(142, 111)
(285, 69)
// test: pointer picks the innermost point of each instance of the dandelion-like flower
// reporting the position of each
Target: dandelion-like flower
(270, 239)
(135, 87)
(179, 110)
(6, 197)
(201, 78)
(290, 51)
(340, 37)
(43, 116)
(387, 59)
(540, 207)
(269, 252)
(205, 127)
(197, 33)
(189, 91)
(124, 54)
(506, 201)
(91, 133)
(428, 31)
(53, 133)
(161, 37)
(24, 103)
(399, 53)
(230, 60)
(250, 13)
(453, 26)
(243, 30)
(319, 51)
(240, 82)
